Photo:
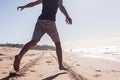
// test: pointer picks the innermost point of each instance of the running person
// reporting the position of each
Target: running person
(45, 24)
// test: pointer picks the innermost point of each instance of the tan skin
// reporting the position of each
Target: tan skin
(32, 43)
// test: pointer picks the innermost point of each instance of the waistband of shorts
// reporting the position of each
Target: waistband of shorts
(46, 21)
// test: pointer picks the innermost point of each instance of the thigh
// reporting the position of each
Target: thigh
(38, 31)
(52, 31)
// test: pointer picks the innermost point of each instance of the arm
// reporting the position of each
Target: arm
(63, 10)
(29, 5)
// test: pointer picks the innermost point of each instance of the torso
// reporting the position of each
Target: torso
(49, 10)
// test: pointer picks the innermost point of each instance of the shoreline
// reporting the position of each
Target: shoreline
(100, 57)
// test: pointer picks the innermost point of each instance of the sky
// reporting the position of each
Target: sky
(96, 23)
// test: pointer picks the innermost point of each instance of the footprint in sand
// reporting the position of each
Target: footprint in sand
(10, 58)
(30, 60)
(11, 64)
(32, 70)
(77, 64)
(98, 70)
(97, 75)
(115, 71)
(48, 61)
(1, 54)
(1, 59)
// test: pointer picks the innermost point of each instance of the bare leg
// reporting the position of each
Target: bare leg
(22, 52)
(27, 47)
(59, 55)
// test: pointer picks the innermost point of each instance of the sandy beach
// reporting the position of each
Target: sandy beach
(43, 65)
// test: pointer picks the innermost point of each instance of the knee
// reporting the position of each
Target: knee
(34, 42)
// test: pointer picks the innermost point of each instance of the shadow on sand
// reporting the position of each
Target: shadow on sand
(54, 76)
(11, 75)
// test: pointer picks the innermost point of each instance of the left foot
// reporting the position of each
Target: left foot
(16, 63)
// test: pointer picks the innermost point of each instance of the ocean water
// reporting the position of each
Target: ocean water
(111, 53)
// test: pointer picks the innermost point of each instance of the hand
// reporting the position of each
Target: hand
(20, 7)
(68, 20)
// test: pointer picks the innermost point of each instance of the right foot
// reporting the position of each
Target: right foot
(63, 68)
(16, 63)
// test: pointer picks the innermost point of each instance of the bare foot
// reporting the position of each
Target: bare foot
(16, 63)
(63, 68)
